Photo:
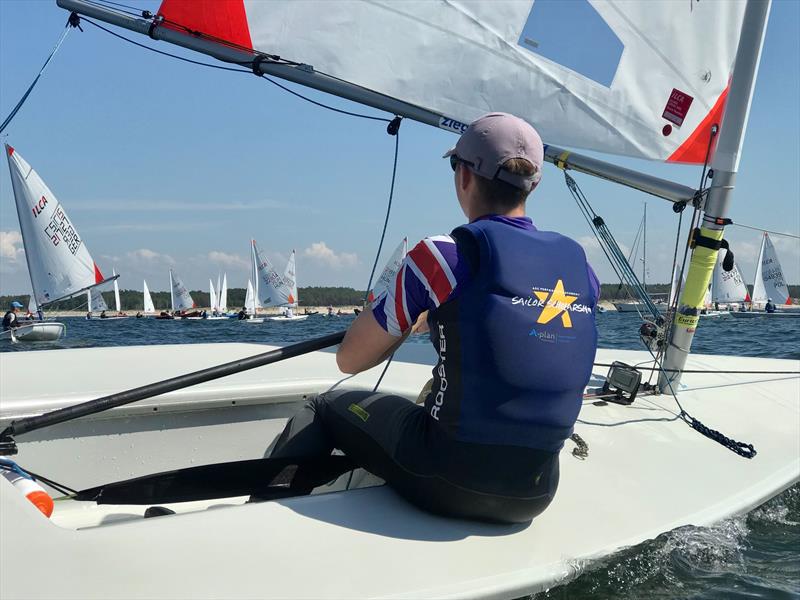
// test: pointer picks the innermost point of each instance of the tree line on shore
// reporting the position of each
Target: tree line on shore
(131, 300)
(309, 296)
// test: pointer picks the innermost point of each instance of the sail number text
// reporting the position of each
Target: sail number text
(59, 230)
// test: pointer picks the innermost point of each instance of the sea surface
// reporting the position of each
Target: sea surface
(750, 556)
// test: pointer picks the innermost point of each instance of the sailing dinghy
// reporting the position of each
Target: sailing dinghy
(148, 308)
(216, 313)
(193, 454)
(59, 264)
(290, 293)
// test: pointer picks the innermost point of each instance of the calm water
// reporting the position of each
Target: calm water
(751, 556)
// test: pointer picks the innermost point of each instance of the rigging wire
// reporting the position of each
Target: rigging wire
(789, 235)
(71, 23)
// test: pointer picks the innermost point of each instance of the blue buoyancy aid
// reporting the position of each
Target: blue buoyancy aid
(516, 346)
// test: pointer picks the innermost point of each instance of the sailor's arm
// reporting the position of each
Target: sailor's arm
(367, 344)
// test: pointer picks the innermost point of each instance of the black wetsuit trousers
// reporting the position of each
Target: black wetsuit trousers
(399, 442)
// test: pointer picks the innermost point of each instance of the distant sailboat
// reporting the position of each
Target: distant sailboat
(223, 295)
(769, 283)
(728, 287)
(252, 302)
(389, 271)
(289, 293)
(180, 298)
(59, 263)
(147, 301)
(213, 300)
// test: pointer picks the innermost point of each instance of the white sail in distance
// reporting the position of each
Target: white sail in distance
(58, 261)
(95, 301)
(728, 286)
(212, 296)
(271, 289)
(32, 307)
(116, 292)
(223, 294)
(251, 302)
(667, 63)
(290, 279)
(147, 300)
(389, 272)
(769, 281)
(181, 300)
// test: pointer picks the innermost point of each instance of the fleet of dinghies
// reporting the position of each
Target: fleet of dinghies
(192, 456)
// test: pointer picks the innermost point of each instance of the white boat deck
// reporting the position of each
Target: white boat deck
(646, 473)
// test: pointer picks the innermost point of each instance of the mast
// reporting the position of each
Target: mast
(725, 164)
(644, 250)
(305, 74)
(171, 291)
(255, 275)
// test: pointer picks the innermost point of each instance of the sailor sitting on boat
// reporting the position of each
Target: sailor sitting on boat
(510, 311)
(769, 306)
(10, 319)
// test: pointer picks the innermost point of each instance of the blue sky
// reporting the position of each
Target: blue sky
(162, 164)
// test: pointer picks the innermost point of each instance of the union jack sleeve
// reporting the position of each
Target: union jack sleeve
(429, 276)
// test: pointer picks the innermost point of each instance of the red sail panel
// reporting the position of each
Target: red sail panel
(693, 150)
(222, 19)
(98, 276)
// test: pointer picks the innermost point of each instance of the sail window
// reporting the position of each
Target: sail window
(573, 35)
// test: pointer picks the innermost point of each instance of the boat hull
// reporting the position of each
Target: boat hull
(45, 331)
(637, 459)
(284, 319)
(755, 314)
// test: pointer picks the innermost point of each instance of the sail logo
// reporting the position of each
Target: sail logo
(39, 207)
(555, 302)
(452, 125)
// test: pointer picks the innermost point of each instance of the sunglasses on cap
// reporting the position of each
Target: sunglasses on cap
(454, 160)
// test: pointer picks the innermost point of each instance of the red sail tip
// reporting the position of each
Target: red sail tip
(98, 276)
(10, 150)
(694, 148)
(222, 19)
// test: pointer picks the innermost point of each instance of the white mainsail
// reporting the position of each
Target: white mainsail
(728, 286)
(290, 279)
(32, 306)
(389, 271)
(251, 301)
(649, 82)
(149, 307)
(213, 300)
(181, 300)
(96, 301)
(769, 281)
(58, 261)
(116, 292)
(223, 294)
(270, 289)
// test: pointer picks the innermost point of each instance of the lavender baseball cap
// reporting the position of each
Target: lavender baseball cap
(493, 139)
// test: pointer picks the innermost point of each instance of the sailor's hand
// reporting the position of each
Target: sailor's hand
(421, 326)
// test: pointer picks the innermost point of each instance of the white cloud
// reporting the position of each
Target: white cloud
(232, 261)
(145, 256)
(320, 253)
(11, 250)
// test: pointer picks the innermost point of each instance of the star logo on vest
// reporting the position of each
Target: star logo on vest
(555, 303)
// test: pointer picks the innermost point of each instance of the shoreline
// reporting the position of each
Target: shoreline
(270, 311)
